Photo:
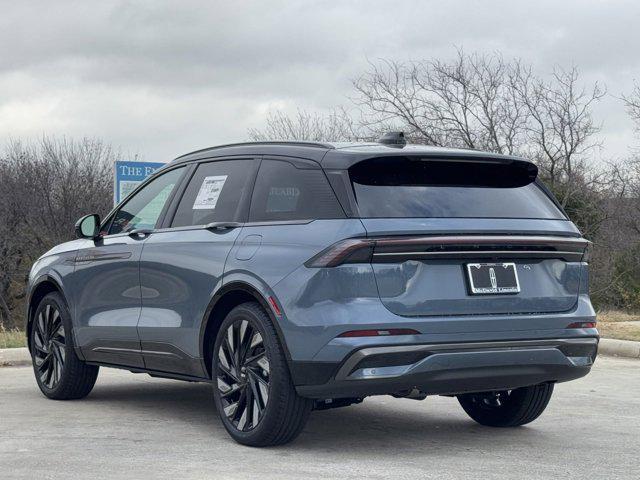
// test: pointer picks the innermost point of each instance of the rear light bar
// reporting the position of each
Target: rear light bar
(379, 333)
(351, 250)
(398, 249)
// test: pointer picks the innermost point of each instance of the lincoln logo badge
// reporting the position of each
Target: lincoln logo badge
(492, 276)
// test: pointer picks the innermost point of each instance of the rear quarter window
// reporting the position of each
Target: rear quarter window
(414, 187)
(285, 192)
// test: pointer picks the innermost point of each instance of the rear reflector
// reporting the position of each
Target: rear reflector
(582, 325)
(379, 333)
(274, 305)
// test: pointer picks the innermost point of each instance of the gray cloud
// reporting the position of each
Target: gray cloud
(161, 78)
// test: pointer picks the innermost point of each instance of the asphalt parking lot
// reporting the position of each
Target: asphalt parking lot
(134, 426)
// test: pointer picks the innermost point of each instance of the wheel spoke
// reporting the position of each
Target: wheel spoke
(38, 342)
(264, 364)
(256, 374)
(226, 389)
(246, 332)
(256, 340)
(228, 372)
(41, 327)
(58, 356)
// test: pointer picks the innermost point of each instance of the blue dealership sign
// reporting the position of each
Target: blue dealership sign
(129, 175)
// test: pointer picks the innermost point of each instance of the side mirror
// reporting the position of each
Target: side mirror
(88, 226)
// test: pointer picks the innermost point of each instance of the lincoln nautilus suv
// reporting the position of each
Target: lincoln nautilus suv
(297, 276)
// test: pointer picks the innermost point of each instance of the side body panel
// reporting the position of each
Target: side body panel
(105, 296)
(180, 271)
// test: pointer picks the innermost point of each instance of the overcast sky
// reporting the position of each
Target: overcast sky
(160, 79)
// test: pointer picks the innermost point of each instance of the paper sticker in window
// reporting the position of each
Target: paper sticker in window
(209, 192)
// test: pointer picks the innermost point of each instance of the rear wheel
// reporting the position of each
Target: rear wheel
(508, 408)
(253, 392)
(60, 374)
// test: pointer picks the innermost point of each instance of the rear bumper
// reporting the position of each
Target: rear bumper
(451, 368)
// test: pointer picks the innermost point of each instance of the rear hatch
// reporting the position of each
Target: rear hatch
(461, 237)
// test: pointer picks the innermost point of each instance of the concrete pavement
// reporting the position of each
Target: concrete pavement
(134, 427)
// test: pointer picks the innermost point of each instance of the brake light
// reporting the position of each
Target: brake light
(428, 247)
(582, 325)
(379, 333)
(351, 250)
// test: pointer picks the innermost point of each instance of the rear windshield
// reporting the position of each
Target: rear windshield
(415, 187)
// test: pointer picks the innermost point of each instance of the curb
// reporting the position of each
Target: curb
(11, 357)
(619, 348)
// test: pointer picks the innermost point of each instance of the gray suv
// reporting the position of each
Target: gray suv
(299, 276)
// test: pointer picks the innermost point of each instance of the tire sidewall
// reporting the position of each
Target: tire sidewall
(278, 375)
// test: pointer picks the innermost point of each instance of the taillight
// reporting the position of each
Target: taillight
(582, 325)
(351, 250)
(379, 333)
(430, 247)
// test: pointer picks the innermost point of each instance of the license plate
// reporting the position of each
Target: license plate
(493, 278)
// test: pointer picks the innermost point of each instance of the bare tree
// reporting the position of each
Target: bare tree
(46, 187)
(465, 103)
(336, 126)
(632, 102)
(561, 132)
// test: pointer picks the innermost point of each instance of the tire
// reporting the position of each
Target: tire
(60, 374)
(255, 375)
(509, 408)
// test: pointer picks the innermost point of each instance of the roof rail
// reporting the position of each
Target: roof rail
(241, 144)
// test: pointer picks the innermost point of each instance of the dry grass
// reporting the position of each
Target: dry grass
(621, 331)
(12, 339)
(619, 325)
(614, 316)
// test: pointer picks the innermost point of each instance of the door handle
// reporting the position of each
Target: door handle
(140, 232)
(222, 225)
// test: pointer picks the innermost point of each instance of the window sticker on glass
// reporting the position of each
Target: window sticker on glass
(209, 192)
(283, 199)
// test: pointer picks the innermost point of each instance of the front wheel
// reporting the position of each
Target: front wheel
(508, 408)
(253, 391)
(60, 374)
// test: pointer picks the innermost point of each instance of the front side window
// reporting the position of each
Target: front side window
(284, 192)
(143, 209)
(214, 193)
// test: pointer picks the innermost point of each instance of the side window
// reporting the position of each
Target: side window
(143, 209)
(214, 193)
(285, 192)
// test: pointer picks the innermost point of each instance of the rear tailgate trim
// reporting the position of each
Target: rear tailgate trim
(394, 250)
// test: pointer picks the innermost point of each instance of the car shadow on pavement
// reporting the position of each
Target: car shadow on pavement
(360, 428)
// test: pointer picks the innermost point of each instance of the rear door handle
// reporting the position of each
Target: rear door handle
(222, 225)
(140, 232)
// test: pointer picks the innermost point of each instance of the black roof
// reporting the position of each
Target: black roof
(339, 155)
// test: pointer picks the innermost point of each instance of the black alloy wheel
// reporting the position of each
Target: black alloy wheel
(60, 374)
(243, 375)
(49, 344)
(253, 391)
